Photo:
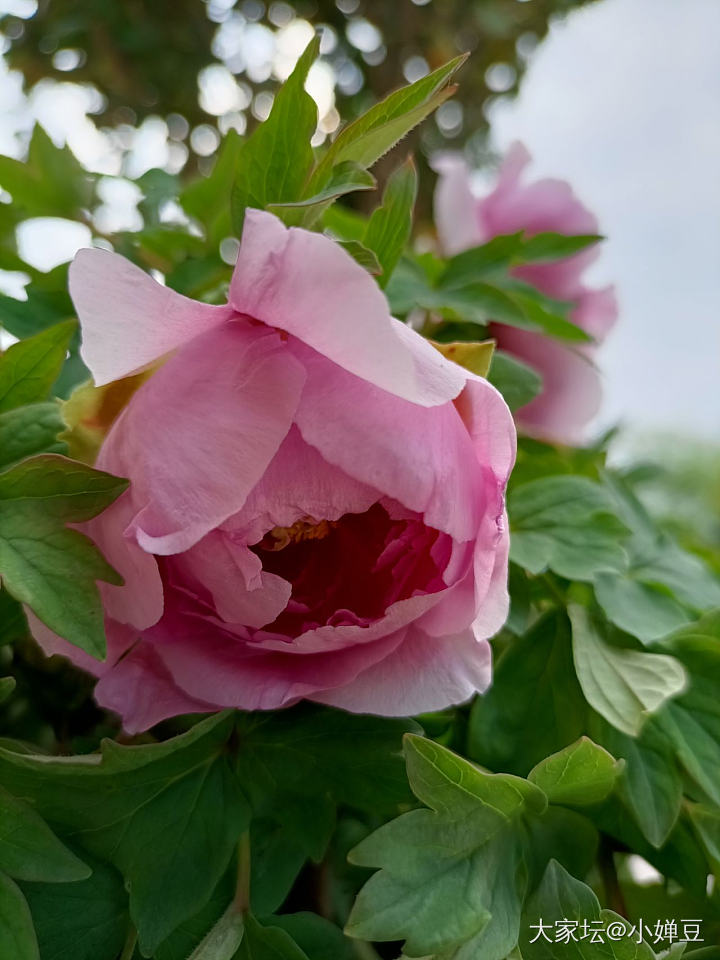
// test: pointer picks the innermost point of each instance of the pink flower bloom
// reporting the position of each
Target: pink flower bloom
(571, 386)
(317, 498)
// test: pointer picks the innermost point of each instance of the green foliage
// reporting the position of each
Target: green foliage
(155, 812)
(565, 524)
(374, 133)
(38, 497)
(516, 381)
(451, 881)
(534, 707)
(581, 774)
(84, 920)
(624, 686)
(17, 935)
(388, 229)
(28, 848)
(50, 183)
(274, 162)
(29, 369)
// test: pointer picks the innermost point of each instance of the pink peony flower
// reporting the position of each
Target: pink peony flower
(571, 386)
(316, 506)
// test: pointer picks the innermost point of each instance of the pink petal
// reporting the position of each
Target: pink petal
(596, 312)
(571, 392)
(139, 601)
(119, 639)
(241, 591)
(330, 639)
(540, 206)
(488, 421)
(423, 674)
(491, 584)
(141, 690)
(215, 667)
(197, 436)
(306, 284)
(422, 457)
(456, 217)
(127, 319)
(298, 484)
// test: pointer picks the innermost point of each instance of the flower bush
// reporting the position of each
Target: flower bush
(282, 514)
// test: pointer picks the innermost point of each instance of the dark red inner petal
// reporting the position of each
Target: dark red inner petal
(352, 569)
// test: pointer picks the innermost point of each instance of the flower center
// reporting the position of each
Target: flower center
(280, 537)
(349, 571)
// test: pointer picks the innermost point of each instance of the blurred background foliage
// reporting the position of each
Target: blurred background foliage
(195, 68)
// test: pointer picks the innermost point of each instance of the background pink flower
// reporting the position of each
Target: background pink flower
(316, 506)
(571, 385)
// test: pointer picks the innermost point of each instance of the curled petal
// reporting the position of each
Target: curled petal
(127, 319)
(306, 284)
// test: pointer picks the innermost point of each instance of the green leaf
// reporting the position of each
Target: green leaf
(580, 774)
(624, 686)
(49, 183)
(42, 309)
(365, 257)
(485, 261)
(226, 936)
(85, 920)
(13, 625)
(650, 785)
(546, 247)
(274, 162)
(28, 431)
(167, 815)
(311, 750)
(563, 835)
(706, 820)
(42, 563)
(346, 178)
(17, 936)
(158, 187)
(7, 685)
(692, 721)
(267, 943)
(544, 315)
(193, 930)
(388, 230)
(648, 611)
(28, 369)
(29, 850)
(296, 829)
(561, 899)
(535, 706)
(516, 381)
(450, 878)
(664, 586)
(207, 199)
(366, 139)
(564, 523)
(320, 939)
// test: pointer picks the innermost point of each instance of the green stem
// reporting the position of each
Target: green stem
(613, 891)
(241, 901)
(130, 943)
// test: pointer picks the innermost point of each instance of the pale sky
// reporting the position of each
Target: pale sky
(623, 100)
